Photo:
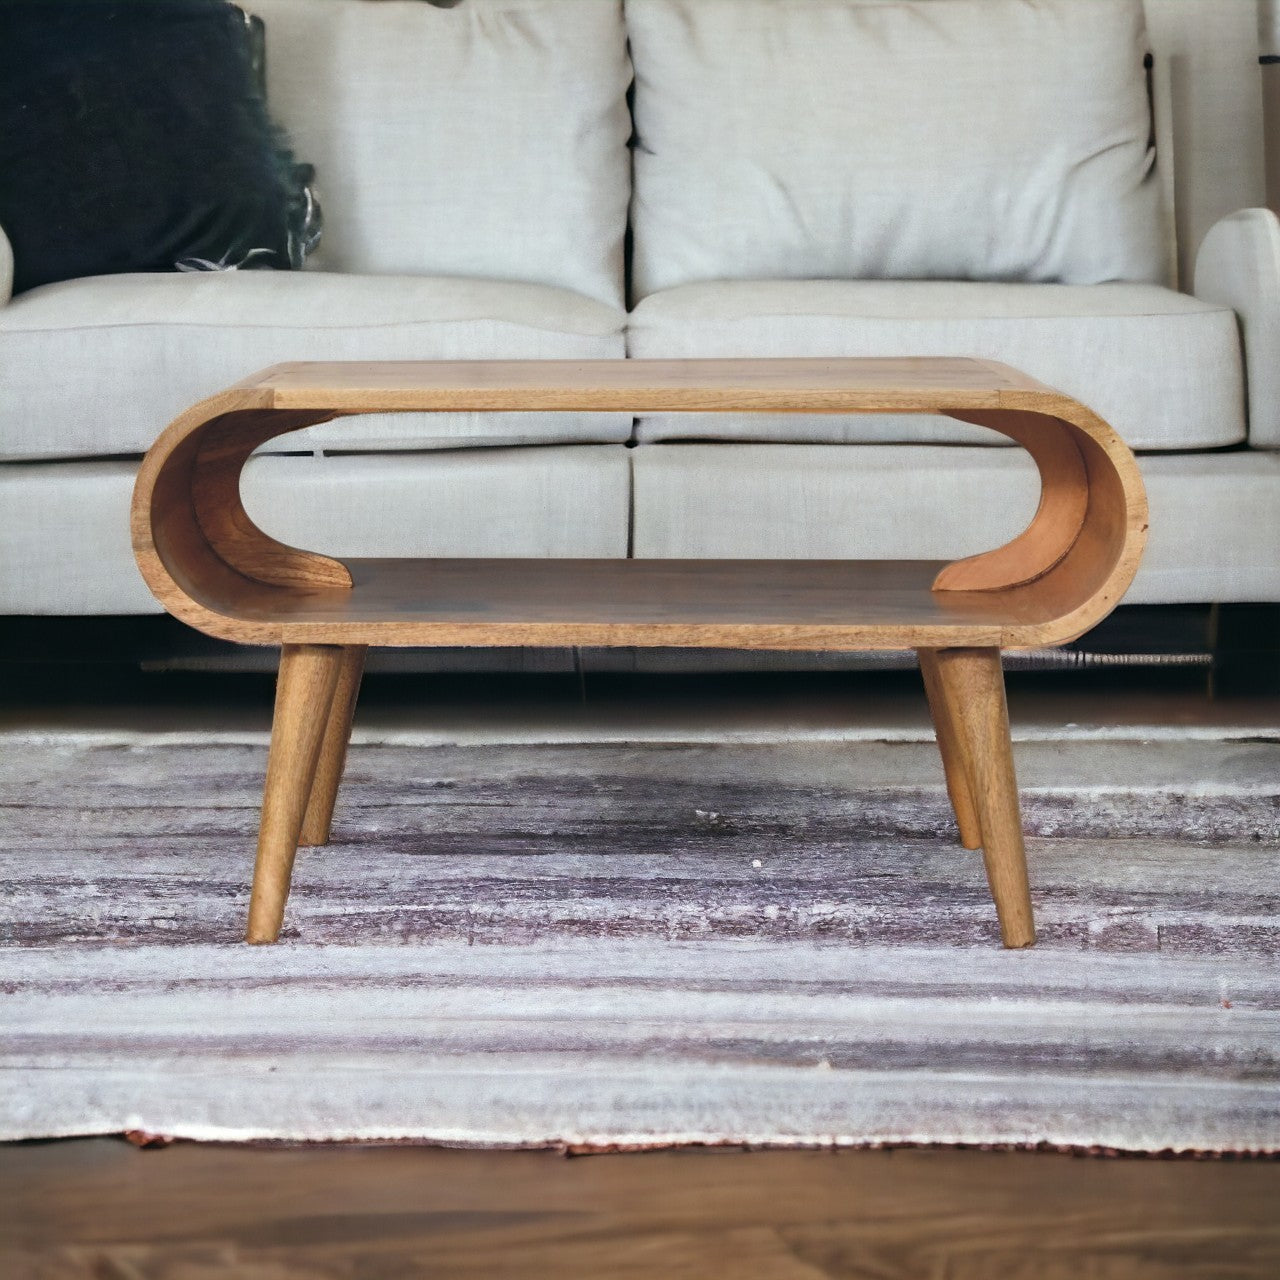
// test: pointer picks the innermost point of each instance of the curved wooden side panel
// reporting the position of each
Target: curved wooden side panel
(1064, 496)
(226, 443)
(1083, 545)
(1089, 581)
(192, 538)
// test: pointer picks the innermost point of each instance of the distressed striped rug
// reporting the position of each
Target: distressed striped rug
(613, 945)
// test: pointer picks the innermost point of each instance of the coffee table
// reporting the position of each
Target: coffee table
(210, 565)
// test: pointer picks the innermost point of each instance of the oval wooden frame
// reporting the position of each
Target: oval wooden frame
(210, 565)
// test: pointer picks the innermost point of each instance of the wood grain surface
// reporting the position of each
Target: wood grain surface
(947, 731)
(1059, 518)
(755, 604)
(973, 691)
(212, 567)
(93, 1209)
(304, 701)
(843, 385)
(209, 565)
(318, 819)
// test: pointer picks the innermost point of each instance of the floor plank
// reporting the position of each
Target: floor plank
(101, 1208)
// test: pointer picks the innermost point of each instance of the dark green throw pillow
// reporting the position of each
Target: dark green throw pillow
(134, 136)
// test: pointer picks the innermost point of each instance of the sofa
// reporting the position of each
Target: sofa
(1070, 186)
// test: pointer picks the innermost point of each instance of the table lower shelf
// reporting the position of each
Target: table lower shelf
(759, 604)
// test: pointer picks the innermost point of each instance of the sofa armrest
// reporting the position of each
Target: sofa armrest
(1238, 266)
(6, 268)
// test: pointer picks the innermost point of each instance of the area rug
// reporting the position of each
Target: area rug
(600, 945)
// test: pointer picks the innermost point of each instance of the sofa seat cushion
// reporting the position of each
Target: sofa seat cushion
(1163, 368)
(822, 502)
(64, 526)
(98, 367)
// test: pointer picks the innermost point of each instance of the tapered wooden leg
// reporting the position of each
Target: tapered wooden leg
(973, 690)
(318, 818)
(952, 751)
(304, 694)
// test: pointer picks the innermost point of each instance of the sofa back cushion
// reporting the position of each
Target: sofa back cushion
(943, 139)
(488, 139)
(1209, 122)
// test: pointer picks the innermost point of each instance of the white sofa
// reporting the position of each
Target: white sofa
(477, 178)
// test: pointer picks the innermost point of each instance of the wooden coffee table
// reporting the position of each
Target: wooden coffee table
(209, 565)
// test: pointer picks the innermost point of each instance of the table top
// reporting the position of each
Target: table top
(847, 385)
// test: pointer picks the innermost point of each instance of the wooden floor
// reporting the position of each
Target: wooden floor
(101, 1208)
